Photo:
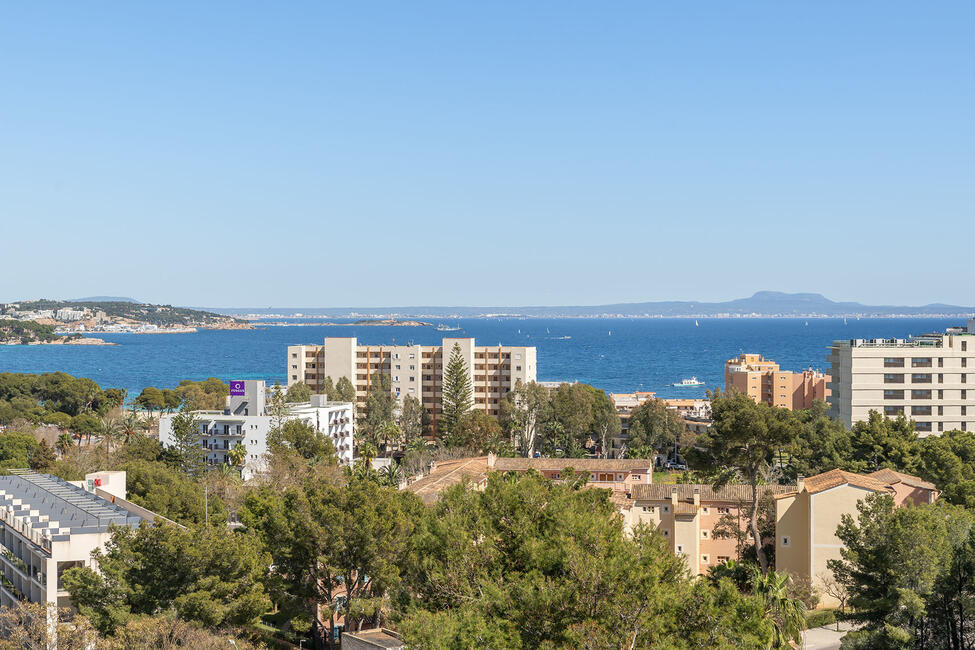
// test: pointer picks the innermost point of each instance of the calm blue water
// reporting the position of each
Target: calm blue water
(618, 355)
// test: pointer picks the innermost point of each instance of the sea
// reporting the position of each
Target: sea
(614, 354)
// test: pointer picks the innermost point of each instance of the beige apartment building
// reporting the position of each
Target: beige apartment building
(415, 370)
(924, 378)
(686, 515)
(763, 381)
(806, 518)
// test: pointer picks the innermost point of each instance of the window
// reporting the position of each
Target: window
(920, 410)
(518, 357)
(294, 355)
(723, 511)
(397, 366)
(941, 378)
(396, 356)
(518, 368)
(894, 410)
(920, 394)
(941, 426)
(964, 377)
(412, 367)
(893, 362)
(704, 534)
(964, 394)
(964, 410)
(922, 426)
(893, 394)
(680, 548)
(412, 378)
(412, 355)
(706, 510)
(893, 379)
(785, 540)
(964, 362)
(666, 533)
(921, 362)
(636, 477)
(941, 410)
(666, 508)
(941, 362)
(920, 378)
(964, 347)
(704, 559)
(964, 426)
(395, 377)
(941, 394)
(722, 559)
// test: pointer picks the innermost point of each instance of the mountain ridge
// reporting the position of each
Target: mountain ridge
(761, 303)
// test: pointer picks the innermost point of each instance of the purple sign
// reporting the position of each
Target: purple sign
(237, 387)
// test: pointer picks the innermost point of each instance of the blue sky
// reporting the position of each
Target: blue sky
(392, 153)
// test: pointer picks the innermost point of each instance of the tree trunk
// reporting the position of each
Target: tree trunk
(753, 524)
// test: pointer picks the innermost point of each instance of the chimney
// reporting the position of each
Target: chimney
(673, 496)
(697, 496)
(800, 483)
(491, 459)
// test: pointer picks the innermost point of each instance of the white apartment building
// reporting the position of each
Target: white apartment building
(929, 379)
(48, 525)
(415, 370)
(246, 421)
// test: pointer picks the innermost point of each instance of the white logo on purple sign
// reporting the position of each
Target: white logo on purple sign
(237, 387)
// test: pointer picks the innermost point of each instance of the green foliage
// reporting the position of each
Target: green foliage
(478, 432)
(298, 393)
(162, 315)
(185, 443)
(910, 573)
(380, 410)
(26, 331)
(820, 618)
(948, 461)
(345, 391)
(202, 574)
(328, 540)
(741, 444)
(16, 450)
(458, 395)
(167, 492)
(207, 395)
(524, 413)
(304, 440)
(654, 425)
(40, 397)
(530, 563)
(43, 457)
(412, 419)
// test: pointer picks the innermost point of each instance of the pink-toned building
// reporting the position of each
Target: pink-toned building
(763, 381)
(686, 515)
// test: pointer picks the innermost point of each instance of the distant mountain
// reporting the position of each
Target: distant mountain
(105, 299)
(762, 303)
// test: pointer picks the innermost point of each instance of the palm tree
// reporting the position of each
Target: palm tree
(63, 443)
(237, 455)
(148, 423)
(368, 451)
(787, 614)
(391, 475)
(130, 424)
(108, 430)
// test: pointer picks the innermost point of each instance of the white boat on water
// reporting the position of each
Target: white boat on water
(446, 328)
(693, 381)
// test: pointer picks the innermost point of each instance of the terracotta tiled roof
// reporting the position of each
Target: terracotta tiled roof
(685, 491)
(837, 477)
(890, 477)
(683, 508)
(447, 473)
(579, 464)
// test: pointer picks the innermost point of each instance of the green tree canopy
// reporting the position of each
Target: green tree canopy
(298, 393)
(203, 574)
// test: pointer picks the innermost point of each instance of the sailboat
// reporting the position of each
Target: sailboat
(696, 324)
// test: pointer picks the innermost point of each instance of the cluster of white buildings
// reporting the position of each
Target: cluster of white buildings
(247, 421)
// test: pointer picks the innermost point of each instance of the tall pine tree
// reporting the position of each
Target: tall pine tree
(457, 394)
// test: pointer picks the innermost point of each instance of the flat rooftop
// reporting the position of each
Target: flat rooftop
(45, 498)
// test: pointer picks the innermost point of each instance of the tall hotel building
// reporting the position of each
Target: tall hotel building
(929, 379)
(415, 370)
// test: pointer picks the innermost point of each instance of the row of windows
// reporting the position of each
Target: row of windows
(923, 362)
(919, 394)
